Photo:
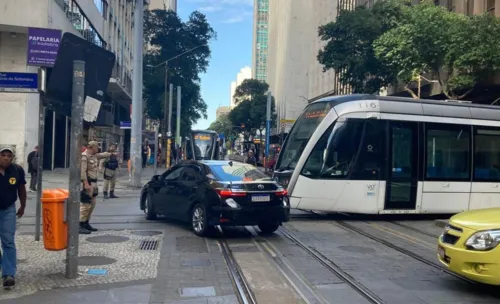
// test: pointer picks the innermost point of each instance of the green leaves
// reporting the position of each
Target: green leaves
(184, 46)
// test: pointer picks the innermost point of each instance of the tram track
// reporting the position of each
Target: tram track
(243, 290)
(334, 268)
(414, 229)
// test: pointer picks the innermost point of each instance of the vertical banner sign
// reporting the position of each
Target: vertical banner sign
(43, 45)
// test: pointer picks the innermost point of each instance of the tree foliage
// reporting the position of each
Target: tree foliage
(169, 37)
(222, 125)
(251, 109)
(349, 44)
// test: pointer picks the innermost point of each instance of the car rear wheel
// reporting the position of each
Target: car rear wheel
(199, 220)
(268, 227)
(149, 210)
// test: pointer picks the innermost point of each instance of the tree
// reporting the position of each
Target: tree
(251, 109)
(222, 125)
(169, 37)
(457, 50)
(349, 45)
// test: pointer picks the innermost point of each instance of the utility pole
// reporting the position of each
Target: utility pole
(41, 128)
(75, 183)
(137, 110)
(165, 118)
(169, 125)
(178, 126)
(155, 161)
(268, 124)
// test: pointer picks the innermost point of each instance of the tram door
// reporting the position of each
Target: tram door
(402, 173)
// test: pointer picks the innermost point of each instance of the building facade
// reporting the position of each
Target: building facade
(163, 5)
(244, 73)
(260, 39)
(107, 24)
(221, 111)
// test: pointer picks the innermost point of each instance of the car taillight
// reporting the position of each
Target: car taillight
(230, 193)
(282, 192)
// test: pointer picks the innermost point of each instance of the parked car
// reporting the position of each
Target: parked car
(469, 245)
(210, 193)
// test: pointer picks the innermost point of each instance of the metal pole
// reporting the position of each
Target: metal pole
(419, 84)
(137, 110)
(178, 126)
(169, 125)
(75, 183)
(41, 129)
(166, 113)
(155, 162)
(268, 123)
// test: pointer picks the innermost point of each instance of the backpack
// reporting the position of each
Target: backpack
(35, 162)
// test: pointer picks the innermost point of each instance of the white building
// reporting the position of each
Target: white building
(106, 23)
(245, 73)
(293, 72)
(163, 5)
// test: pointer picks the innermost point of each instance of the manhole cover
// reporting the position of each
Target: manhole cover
(148, 245)
(94, 260)
(196, 262)
(146, 233)
(197, 292)
(190, 244)
(107, 239)
(357, 249)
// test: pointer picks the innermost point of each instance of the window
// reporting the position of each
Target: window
(238, 173)
(486, 154)
(174, 175)
(369, 162)
(335, 152)
(448, 152)
(490, 7)
(190, 174)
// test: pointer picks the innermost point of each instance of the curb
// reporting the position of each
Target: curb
(441, 223)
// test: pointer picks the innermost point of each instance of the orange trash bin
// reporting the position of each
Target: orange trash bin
(55, 228)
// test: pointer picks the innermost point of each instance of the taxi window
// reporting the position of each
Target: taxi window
(238, 173)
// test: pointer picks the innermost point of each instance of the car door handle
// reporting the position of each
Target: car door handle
(494, 186)
(446, 185)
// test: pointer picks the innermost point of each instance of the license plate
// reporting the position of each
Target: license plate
(441, 252)
(261, 198)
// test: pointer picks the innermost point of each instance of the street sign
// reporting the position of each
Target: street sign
(125, 125)
(19, 82)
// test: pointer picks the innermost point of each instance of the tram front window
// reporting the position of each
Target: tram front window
(203, 146)
(301, 133)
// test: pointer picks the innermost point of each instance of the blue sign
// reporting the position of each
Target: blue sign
(125, 125)
(19, 82)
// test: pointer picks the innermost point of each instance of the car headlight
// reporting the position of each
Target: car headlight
(484, 240)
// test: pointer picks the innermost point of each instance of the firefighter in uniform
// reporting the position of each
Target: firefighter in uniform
(110, 166)
(90, 171)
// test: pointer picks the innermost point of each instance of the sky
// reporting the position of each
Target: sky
(231, 51)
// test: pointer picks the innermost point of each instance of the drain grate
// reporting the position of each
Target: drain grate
(148, 245)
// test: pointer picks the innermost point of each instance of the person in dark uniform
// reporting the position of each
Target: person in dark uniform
(33, 168)
(12, 186)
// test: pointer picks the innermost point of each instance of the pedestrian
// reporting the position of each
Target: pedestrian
(33, 161)
(250, 159)
(145, 150)
(83, 148)
(110, 165)
(89, 174)
(12, 187)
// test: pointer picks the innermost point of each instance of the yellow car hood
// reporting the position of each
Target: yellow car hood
(481, 219)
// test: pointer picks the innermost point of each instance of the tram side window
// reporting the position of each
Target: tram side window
(448, 152)
(334, 154)
(486, 154)
(369, 163)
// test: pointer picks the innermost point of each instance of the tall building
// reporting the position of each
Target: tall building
(245, 73)
(260, 39)
(223, 110)
(163, 4)
(107, 24)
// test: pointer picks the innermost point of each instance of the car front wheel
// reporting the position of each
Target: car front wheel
(149, 211)
(268, 228)
(199, 220)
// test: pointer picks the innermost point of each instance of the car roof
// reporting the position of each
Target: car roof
(219, 162)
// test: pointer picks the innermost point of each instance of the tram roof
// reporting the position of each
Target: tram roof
(204, 131)
(405, 105)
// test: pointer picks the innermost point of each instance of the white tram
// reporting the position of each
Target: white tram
(374, 155)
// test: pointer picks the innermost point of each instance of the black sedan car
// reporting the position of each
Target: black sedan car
(210, 193)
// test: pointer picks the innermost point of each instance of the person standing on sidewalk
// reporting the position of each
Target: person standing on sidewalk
(12, 186)
(110, 166)
(89, 174)
(33, 167)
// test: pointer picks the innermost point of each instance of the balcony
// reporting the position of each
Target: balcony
(120, 85)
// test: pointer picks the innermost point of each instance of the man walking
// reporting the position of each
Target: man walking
(110, 165)
(89, 173)
(33, 161)
(12, 186)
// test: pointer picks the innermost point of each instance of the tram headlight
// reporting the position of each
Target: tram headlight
(484, 240)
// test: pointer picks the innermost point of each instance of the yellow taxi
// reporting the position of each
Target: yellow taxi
(469, 245)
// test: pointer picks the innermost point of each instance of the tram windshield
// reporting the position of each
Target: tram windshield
(300, 134)
(203, 145)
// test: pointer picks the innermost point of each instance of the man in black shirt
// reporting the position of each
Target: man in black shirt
(12, 185)
(33, 168)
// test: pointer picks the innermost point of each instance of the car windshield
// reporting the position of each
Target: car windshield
(238, 173)
(301, 132)
(203, 146)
